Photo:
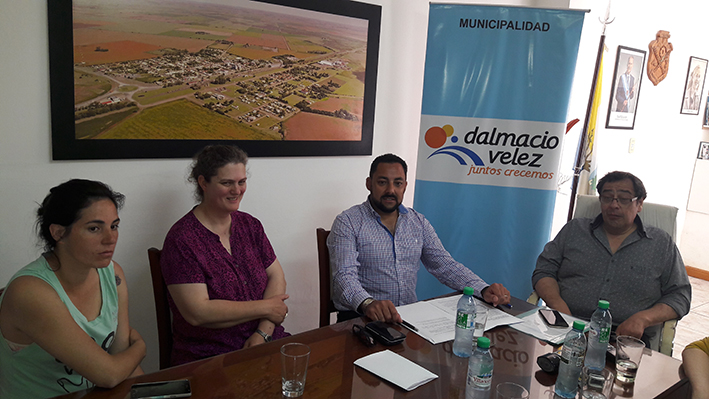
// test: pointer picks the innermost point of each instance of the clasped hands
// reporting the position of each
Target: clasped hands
(276, 312)
(276, 307)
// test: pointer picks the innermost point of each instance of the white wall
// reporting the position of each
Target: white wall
(666, 142)
(293, 196)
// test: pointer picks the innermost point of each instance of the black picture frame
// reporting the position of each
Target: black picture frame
(703, 151)
(65, 145)
(623, 104)
(693, 86)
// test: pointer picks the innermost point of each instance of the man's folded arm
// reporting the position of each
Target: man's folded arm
(548, 289)
(636, 324)
(544, 277)
(676, 289)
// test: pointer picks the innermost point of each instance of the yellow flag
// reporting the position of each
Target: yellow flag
(590, 160)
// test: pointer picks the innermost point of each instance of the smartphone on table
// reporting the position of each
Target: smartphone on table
(553, 318)
(384, 333)
(161, 390)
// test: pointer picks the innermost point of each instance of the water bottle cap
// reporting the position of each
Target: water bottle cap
(483, 342)
(603, 304)
(468, 291)
(579, 325)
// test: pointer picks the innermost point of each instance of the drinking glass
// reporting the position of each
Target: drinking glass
(629, 352)
(597, 384)
(294, 367)
(510, 390)
(480, 321)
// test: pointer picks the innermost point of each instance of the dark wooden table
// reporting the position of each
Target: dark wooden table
(255, 372)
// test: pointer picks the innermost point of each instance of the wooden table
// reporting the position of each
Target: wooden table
(255, 372)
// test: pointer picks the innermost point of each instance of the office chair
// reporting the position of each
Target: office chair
(327, 306)
(661, 216)
(162, 308)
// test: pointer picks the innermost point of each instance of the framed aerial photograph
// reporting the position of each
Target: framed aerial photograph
(703, 150)
(625, 92)
(693, 86)
(153, 79)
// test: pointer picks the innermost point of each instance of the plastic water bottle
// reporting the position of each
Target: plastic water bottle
(480, 368)
(572, 355)
(465, 324)
(598, 335)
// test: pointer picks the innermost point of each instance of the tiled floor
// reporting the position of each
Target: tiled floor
(695, 325)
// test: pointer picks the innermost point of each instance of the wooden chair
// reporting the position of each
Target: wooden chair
(162, 308)
(327, 306)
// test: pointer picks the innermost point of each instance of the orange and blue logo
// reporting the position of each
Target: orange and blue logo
(436, 138)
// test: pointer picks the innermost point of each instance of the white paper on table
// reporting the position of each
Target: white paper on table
(433, 324)
(495, 316)
(533, 325)
(396, 369)
(435, 319)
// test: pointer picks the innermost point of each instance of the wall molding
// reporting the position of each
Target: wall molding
(698, 273)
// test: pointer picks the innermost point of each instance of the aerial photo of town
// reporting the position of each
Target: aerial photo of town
(216, 70)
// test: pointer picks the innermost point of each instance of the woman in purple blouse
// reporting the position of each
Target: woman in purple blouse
(227, 288)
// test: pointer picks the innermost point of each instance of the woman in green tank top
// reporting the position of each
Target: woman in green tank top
(64, 317)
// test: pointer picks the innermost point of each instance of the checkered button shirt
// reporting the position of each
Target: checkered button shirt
(368, 261)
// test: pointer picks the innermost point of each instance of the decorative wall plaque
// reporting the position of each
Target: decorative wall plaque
(658, 63)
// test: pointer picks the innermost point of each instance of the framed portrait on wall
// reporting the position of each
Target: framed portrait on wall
(625, 91)
(703, 150)
(693, 86)
(164, 79)
(705, 125)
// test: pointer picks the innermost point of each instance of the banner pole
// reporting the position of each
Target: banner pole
(581, 153)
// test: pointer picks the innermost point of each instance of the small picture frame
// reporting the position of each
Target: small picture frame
(625, 92)
(705, 125)
(694, 86)
(703, 150)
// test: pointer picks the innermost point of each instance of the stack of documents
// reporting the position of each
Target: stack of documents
(435, 319)
(396, 369)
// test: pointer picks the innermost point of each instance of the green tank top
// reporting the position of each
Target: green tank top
(32, 372)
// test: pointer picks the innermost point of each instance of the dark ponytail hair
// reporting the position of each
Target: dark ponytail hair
(64, 203)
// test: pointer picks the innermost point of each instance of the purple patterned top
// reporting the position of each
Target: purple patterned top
(193, 254)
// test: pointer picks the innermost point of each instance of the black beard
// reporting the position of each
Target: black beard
(378, 205)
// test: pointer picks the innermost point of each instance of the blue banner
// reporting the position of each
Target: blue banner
(496, 91)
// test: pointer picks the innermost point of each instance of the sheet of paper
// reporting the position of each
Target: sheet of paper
(433, 324)
(533, 325)
(495, 316)
(435, 319)
(396, 369)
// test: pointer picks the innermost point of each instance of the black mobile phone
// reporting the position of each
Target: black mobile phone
(161, 390)
(384, 333)
(553, 318)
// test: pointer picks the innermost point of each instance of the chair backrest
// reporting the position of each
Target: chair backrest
(327, 306)
(660, 216)
(162, 308)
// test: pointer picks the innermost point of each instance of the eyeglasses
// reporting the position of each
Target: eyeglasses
(625, 201)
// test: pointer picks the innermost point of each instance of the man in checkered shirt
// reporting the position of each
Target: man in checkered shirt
(375, 250)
